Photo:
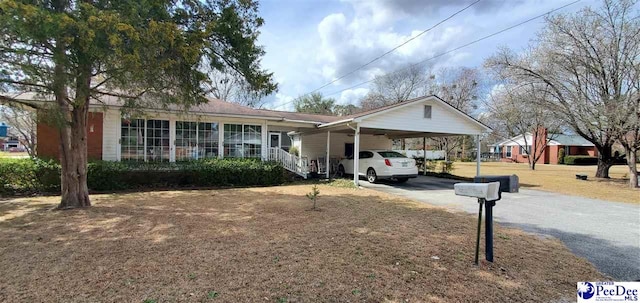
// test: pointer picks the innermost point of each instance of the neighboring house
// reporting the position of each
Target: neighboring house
(9, 142)
(515, 150)
(220, 129)
(12, 144)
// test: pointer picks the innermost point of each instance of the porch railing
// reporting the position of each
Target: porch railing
(289, 161)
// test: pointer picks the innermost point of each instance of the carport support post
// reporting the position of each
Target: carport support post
(328, 149)
(424, 155)
(478, 156)
(356, 156)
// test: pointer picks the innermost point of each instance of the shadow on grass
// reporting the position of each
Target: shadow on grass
(257, 243)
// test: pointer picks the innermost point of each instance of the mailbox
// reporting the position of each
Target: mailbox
(487, 194)
(508, 183)
(488, 191)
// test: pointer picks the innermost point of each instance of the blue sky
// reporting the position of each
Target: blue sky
(308, 43)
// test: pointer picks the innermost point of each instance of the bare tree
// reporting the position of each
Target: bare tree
(518, 111)
(23, 124)
(588, 63)
(233, 88)
(630, 140)
(397, 87)
(459, 87)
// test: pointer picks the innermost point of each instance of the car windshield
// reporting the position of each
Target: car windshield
(391, 154)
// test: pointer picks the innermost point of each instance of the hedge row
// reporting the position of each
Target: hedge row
(37, 176)
(580, 160)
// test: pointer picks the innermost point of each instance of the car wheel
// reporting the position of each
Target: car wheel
(341, 171)
(402, 180)
(371, 175)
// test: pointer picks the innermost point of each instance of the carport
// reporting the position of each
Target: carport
(423, 117)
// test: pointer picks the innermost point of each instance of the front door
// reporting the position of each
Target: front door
(274, 140)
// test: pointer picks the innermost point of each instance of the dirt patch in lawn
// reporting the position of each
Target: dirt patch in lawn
(265, 245)
(561, 179)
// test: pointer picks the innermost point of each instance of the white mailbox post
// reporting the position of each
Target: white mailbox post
(486, 193)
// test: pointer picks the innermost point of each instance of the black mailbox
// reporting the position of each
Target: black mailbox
(508, 183)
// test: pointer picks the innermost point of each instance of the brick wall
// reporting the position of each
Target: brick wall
(48, 139)
(553, 154)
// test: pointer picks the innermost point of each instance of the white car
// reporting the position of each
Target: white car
(381, 164)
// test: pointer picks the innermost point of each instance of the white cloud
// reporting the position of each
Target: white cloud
(352, 96)
(312, 43)
(348, 44)
(282, 102)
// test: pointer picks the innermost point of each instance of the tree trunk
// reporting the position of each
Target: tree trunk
(73, 129)
(633, 169)
(73, 159)
(605, 161)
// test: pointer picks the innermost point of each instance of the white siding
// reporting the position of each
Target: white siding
(110, 135)
(411, 118)
(314, 146)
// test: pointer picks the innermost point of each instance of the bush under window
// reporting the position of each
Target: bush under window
(38, 176)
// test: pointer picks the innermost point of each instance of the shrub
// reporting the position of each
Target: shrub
(313, 196)
(561, 156)
(447, 167)
(580, 160)
(294, 151)
(37, 176)
(29, 175)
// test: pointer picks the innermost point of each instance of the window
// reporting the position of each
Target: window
(365, 154)
(233, 140)
(509, 151)
(186, 140)
(427, 111)
(525, 150)
(157, 140)
(132, 140)
(252, 141)
(208, 140)
(196, 140)
(242, 141)
(391, 154)
(144, 140)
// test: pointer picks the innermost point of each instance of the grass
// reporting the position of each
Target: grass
(4, 154)
(264, 245)
(560, 179)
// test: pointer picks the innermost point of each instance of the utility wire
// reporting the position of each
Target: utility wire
(450, 51)
(393, 49)
(388, 52)
(462, 46)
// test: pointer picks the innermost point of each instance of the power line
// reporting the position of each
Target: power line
(388, 52)
(463, 46)
(393, 49)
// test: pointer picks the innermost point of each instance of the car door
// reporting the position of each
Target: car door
(348, 165)
(365, 162)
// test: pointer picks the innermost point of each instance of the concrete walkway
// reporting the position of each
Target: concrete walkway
(605, 233)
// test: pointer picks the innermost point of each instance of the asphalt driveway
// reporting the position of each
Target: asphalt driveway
(605, 233)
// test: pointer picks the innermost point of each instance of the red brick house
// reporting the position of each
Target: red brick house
(516, 150)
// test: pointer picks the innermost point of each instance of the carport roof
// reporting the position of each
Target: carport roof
(366, 114)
